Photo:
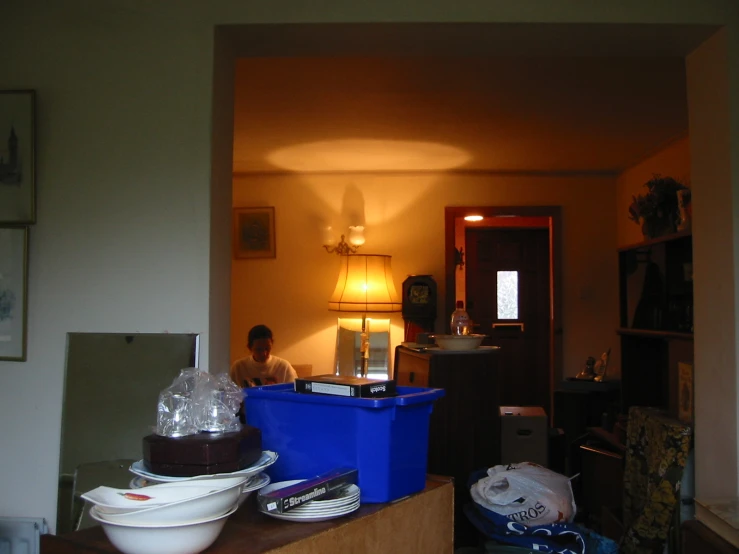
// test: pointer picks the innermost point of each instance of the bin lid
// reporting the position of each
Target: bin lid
(407, 396)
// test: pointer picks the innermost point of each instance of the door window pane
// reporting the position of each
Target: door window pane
(507, 294)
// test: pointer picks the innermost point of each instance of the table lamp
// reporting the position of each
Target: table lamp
(365, 285)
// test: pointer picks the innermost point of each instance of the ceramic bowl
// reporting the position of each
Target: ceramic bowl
(180, 538)
(177, 502)
(458, 342)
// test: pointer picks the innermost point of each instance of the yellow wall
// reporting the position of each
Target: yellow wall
(404, 217)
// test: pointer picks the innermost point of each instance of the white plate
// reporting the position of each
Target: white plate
(318, 507)
(341, 502)
(320, 513)
(279, 485)
(140, 482)
(267, 459)
(253, 483)
(119, 501)
(257, 482)
(314, 518)
(202, 504)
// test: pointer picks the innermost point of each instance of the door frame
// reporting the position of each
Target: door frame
(553, 215)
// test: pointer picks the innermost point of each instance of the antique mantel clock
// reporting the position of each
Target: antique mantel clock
(419, 305)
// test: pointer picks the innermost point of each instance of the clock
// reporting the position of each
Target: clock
(419, 297)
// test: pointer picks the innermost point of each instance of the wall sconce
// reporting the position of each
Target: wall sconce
(459, 257)
(356, 239)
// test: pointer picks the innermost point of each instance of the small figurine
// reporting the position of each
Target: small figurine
(601, 366)
(587, 374)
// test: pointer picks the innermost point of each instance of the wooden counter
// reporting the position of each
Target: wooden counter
(420, 523)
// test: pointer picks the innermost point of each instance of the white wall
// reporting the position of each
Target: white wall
(123, 240)
(715, 262)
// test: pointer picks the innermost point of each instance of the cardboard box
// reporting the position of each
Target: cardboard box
(344, 385)
(524, 435)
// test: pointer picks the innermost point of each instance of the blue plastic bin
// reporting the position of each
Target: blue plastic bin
(386, 439)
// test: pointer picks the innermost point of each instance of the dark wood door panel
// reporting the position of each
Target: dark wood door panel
(525, 340)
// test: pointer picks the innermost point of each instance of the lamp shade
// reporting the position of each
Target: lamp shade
(365, 284)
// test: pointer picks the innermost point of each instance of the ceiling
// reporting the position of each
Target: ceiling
(532, 110)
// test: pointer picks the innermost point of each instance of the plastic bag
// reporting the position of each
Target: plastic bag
(564, 537)
(198, 401)
(526, 493)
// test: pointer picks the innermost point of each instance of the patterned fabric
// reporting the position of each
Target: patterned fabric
(656, 452)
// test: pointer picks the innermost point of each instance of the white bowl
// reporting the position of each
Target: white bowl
(178, 503)
(458, 342)
(182, 538)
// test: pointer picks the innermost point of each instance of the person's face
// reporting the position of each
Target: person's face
(260, 349)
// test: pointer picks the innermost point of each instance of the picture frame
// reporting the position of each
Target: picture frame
(254, 233)
(13, 293)
(17, 157)
(685, 410)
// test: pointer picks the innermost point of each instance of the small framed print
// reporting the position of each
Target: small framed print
(685, 392)
(13, 293)
(254, 232)
(17, 151)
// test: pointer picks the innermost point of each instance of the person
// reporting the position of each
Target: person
(261, 367)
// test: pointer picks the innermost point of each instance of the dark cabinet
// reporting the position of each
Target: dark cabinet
(656, 319)
(656, 285)
(464, 428)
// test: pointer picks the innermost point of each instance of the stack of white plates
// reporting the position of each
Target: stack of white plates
(317, 510)
(267, 459)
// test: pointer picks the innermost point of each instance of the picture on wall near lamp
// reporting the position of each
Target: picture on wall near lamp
(17, 164)
(254, 232)
(13, 292)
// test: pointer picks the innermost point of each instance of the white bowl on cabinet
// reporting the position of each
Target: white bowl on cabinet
(458, 342)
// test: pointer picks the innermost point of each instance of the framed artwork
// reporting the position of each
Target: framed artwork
(685, 392)
(13, 292)
(17, 163)
(254, 232)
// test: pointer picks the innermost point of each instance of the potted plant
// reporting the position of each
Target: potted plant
(658, 210)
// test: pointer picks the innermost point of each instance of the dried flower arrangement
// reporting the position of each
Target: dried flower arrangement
(658, 210)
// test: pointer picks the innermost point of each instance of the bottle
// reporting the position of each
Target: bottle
(460, 320)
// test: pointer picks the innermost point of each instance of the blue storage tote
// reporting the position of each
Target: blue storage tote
(385, 439)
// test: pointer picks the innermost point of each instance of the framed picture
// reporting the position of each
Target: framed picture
(254, 232)
(685, 392)
(13, 292)
(17, 151)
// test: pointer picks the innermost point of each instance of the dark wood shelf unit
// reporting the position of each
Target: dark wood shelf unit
(651, 333)
(658, 240)
(655, 319)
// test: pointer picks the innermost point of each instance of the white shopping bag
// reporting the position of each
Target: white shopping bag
(526, 493)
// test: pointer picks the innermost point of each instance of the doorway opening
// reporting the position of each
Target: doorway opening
(506, 267)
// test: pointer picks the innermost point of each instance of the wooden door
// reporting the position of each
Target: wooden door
(508, 298)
